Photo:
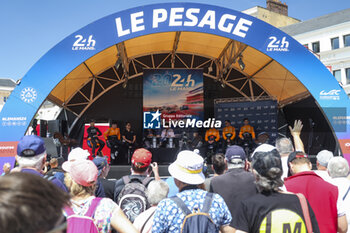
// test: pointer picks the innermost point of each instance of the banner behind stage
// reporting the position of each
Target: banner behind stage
(261, 114)
(176, 93)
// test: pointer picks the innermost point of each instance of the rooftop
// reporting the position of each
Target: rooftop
(7, 82)
(324, 21)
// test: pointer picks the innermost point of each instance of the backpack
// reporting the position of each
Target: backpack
(132, 198)
(77, 223)
(197, 221)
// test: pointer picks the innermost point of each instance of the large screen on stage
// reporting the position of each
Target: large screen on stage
(261, 114)
(176, 93)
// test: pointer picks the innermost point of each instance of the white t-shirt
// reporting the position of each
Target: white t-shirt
(324, 175)
(343, 185)
(284, 167)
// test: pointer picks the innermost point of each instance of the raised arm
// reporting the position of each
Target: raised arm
(295, 132)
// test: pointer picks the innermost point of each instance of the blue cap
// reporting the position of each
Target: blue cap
(235, 152)
(100, 163)
(30, 146)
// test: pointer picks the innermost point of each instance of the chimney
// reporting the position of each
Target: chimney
(277, 6)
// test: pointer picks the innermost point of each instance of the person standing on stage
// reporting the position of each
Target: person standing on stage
(229, 132)
(93, 134)
(112, 137)
(129, 138)
(246, 128)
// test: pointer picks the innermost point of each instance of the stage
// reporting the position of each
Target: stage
(118, 171)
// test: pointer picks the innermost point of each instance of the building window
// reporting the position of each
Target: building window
(347, 72)
(346, 40)
(316, 47)
(337, 75)
(335, 43)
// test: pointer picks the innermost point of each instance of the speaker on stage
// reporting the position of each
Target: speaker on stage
(43, 128)
(60, 126)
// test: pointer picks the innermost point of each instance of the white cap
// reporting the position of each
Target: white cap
(264, 148)
(188, 168)
(78, 154)
(323, 157)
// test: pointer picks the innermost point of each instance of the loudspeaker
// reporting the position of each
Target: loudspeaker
(43, 128)
(60, 126)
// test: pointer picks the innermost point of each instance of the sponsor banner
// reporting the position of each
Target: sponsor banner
(338, 118)
(345, 145)
(261, 114)
(172, 94)
(347, 157)
(8, 149)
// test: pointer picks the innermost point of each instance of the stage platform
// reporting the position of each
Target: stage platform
(117, 171)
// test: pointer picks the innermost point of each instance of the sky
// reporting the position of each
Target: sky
(29, 28)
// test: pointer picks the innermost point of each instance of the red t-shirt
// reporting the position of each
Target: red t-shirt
(321, 195)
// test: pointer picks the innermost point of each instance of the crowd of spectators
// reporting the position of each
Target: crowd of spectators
(274, 189)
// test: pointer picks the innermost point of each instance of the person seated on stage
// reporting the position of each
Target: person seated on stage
(165, 136)
(246, 128)
(212, 134)
(112, 137)
(129, 139)
(212, 137)
(228, 132)
(93, 134)
(149, 136)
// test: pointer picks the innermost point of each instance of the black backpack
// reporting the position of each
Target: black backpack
(197, 221)
(132, 198)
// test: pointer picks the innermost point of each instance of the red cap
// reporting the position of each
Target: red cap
(141, 158)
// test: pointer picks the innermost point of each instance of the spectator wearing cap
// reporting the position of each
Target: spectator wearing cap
(80, 178)
(271, 210)
(219, 166)
(141, 168)
(157, 190)
(103, 170)
(338, 169)
(78, 154)
(323, 196)
(31, 157)
(322, 160)
(236, 184)
(188, 176)
(31, 204)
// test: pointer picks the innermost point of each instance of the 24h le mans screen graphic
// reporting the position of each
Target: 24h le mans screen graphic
(176, 93)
